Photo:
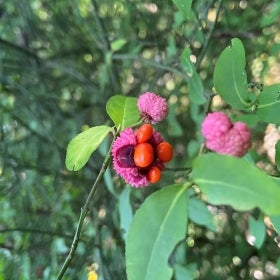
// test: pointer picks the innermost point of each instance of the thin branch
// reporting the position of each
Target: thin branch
(18, 48)
(209, 36)
(32, 230)
(106, 43)
(84, 212)
(150, 63)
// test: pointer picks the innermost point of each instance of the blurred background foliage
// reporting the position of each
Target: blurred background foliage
(60, 61)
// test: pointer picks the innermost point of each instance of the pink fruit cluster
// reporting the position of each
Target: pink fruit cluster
(224, 137)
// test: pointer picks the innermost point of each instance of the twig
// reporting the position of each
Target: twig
(209, 36)
(84, 211)
(106, 44)
(39, 231)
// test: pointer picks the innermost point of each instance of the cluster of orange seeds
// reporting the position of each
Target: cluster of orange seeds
(145, 154)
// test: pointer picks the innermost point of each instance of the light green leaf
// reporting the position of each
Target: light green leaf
(257, 230)
(268, 104)
(195, 86)
(230, 79)
(199, 214)
(83, 145)
(116, 45)
(123, 110)
(236, 182)
(158, 225)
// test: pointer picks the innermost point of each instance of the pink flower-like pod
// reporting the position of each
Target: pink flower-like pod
(123, 163)
(153, 108)
(224, 137)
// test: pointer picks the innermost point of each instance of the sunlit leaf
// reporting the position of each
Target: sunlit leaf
(236, 182)
(230, 79)
(123, 110)
(158, 225)
(83, 145)
(268, 104)
(195, 86)
(257, 231)
(117, 44)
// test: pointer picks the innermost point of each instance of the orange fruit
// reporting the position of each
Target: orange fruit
(164, 151)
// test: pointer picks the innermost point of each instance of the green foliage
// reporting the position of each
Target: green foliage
(199, 214)
(83, 145)
(123, 111)
(185, 7)
(257, 231)
(268, 104)
(61, 62)
(277, 155)
(195, 86)
(156, 228)
(230, 78)
(216, 177)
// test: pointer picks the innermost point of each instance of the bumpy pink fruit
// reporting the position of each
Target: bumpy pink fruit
(224, 137)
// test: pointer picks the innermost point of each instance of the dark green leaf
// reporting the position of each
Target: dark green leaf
(83, 145)
(158, 225)
(230, 79)
(236, 182)
(268, 104)
(195, 86)
(257, 230)
(123, 110)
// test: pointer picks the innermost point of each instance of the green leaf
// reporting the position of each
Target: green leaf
(257, 230)
(230, 79)
(125, 211)
(251, 120)
(185, 7)
(83, 145)
(277, 155)
(116, 45)
(195, 86)
(275, 220)
(123, 110)
(174, 127)
(199, 214)
(185, 272)
(236, 182)
(158, 225)
(268, 104)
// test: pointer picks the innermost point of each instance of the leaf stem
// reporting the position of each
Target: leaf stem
(84, 211)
